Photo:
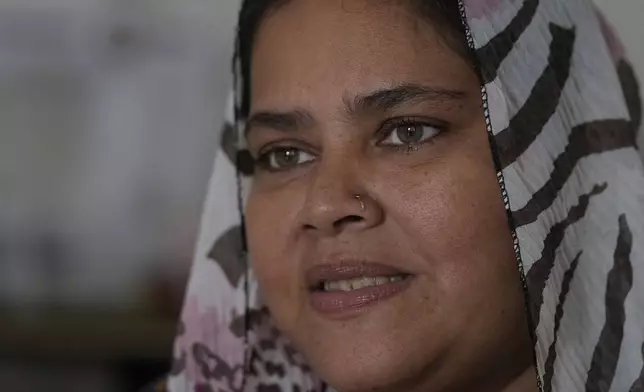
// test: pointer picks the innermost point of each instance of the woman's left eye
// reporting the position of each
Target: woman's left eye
(283, 158)
(409, 134)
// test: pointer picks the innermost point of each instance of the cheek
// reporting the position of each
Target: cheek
(457, 218)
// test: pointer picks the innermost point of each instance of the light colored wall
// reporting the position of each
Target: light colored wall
(106, 144)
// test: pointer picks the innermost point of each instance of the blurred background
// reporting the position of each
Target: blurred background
(110, 111)
(109, 116)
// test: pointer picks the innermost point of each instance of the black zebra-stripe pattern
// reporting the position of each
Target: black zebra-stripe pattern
(552, 350)
(551, 234)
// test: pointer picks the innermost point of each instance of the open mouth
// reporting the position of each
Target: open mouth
(347, 285)
(346, 289)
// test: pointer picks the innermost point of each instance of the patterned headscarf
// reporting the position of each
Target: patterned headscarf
(562, 110)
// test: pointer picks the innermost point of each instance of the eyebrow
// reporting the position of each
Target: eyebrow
(288, 121)
(405, 94)
(379, 100)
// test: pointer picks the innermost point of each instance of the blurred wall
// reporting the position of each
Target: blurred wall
(109, 118)
(110, 115)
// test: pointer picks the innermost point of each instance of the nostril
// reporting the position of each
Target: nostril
(347, 220)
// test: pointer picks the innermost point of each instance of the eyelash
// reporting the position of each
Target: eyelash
(389, 126)
(262, 161)
(385, 129)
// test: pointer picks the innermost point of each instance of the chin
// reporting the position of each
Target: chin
(365, 365)
(359, 375)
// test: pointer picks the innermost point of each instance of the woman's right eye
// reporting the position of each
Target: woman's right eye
(283, 158)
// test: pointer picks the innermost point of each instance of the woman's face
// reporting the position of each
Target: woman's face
(375, 223)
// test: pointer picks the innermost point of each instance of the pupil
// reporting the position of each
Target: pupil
(410, 133)
(287, 157)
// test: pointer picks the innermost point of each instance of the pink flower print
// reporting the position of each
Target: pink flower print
(206, 348)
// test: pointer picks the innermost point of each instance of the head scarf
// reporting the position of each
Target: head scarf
(562, 110)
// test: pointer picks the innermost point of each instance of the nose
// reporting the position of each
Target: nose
(337, 202)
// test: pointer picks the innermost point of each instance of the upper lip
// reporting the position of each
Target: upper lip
(348, 269)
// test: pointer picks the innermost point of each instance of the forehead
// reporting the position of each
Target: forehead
(310, 52)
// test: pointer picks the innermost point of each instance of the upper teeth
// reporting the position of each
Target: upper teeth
(358, 283)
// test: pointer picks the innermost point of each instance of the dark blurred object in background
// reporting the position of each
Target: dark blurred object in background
(109, 114)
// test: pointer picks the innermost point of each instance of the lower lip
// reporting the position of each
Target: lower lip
(345, 303)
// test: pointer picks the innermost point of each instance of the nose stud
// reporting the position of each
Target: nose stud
(358, 197)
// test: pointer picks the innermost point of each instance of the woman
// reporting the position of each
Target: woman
(408, 233)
